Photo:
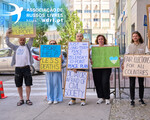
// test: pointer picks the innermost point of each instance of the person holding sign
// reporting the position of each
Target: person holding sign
(102, 76)
(79, 38)
(136, 47)
(22, 59)
(54, 84)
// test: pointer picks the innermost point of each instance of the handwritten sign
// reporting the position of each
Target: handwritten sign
(50, 64)
(105, 57)
(75, 84)
(136, 66)
(78, 55)
(25, 27)
(50, 50)
(50, 61)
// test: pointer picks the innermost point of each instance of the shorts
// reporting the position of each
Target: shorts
(23, 72)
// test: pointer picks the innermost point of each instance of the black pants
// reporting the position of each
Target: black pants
(132, 87)
(101, 80)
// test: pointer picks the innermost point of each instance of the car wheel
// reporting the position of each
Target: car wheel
(32, 70)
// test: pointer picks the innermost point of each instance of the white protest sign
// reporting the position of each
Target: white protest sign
(136, 66)
(78, 55)
(75, 84)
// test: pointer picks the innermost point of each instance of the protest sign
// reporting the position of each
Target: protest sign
(25, 27)
(136, 66)
(78, 55)
(105, 57)
(50, 65)
(50, 61)
(50, 50)
(75, 84)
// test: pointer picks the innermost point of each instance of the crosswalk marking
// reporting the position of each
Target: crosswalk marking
(38, 89)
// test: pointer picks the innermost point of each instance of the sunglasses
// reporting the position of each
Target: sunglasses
(52, 43)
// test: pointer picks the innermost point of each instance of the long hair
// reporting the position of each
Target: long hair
(105, 41)
(140, 40)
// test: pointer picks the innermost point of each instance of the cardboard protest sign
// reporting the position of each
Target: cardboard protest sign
(75, 84)
(105, 57)
(50, 61)
(136, 66)
(24, 27)
(50, 64)
(78, 55)
(148, 23)
(50, 50)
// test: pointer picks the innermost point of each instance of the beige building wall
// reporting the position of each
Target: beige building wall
(132, 20)
(95, 16)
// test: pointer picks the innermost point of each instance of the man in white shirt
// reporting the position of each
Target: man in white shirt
(22, 60)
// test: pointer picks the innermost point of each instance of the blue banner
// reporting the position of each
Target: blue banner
(145, 20)
(50, 51)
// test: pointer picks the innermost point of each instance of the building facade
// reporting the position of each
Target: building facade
(96, 18)
(129, 17)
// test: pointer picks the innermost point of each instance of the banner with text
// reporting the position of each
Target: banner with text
(78, 55)
(136, 66)
(105, 57)
(75, 84)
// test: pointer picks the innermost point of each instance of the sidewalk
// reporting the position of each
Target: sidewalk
(62, 111)
(40, 110)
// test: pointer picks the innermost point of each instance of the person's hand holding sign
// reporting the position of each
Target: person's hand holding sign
(9, 31)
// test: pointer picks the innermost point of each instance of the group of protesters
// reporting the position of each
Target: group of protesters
(22, 59)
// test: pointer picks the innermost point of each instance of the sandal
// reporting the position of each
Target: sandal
(21, 102)
(28, 102)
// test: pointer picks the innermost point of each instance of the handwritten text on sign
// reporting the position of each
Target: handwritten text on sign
(78, 55)
(75, 86)
(50, 50)
(136, 65)
(50, 64)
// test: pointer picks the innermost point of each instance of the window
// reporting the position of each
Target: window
(105, 11)
(79, 11)
(96, 11)
(35, 51)
(96, 19)
(87, 11)
(87, 20)
(105, 19)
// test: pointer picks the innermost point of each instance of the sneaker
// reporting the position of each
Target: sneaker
(142, 102)
(82, 103)
(50, 102)
(72, 102)
(55, 102)
(132, 103)
(107, 102)
(101, 100)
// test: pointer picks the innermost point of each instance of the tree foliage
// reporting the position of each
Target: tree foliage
(41, 27)
(70, 26)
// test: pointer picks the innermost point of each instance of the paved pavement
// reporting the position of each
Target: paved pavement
(40, 110)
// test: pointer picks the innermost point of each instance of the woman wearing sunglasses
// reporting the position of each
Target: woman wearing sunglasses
(54, 84)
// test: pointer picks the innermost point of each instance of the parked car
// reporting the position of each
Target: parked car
(6, 57)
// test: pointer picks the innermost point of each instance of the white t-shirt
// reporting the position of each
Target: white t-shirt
(22, 57)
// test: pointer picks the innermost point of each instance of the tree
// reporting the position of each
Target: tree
(70, 26)
(41, 27)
